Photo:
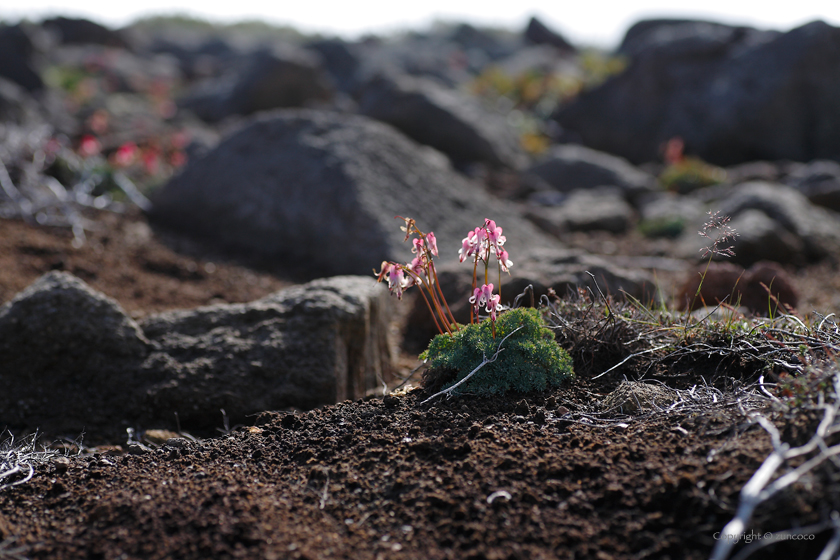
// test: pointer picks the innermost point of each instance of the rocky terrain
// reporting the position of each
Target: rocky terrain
(196, 361)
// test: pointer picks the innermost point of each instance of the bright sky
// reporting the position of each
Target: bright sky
(601, 23)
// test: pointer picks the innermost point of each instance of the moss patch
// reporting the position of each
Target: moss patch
(530, 359)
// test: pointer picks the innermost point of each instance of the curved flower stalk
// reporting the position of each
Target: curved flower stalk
(480, 244)
(420, 272)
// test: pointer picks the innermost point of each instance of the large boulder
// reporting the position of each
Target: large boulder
(77, 31)
(774, 222)
(315, 344)
(322, 189)
(599, 209)
(539, 33)
(73, 360)
(67, 353)
(269, 79)
(819, 181)
(16, 54)
(441, 117)
(569, 167)
(733, 94)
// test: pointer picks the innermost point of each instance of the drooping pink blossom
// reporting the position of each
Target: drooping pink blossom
(481, 296)
(431, 241)
(469, 245)
(494, 235)
(494, 305)
(504, 260)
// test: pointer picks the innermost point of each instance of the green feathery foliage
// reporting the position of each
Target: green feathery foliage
(530, 359)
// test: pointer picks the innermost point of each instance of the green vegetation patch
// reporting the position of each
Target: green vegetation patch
(529, 360)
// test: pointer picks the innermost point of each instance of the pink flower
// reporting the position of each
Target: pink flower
(481, 296)
(431, 241)
(125, 155)
(494, 305)
(396, 280)
(504, 260)
(469, 245)
(89, 146)
(494, 235)
(418, 267)
(417, 246)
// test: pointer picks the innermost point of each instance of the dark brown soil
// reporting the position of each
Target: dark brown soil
(144, 271)
(469, 477)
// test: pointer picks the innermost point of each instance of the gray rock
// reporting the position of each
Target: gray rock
(73, 360)
(282, 77)
(340, 60)
(444, 118)
(819, 181)
(761, 238)
(323, 189)
(667, 214)
(599, 209)
(77, 31)
(16, 106)
(16, 57)
(570, 167)
(818, 228)
(65, 348)
(734, 94)
(797, 232)
(315, 344)
(538, 33)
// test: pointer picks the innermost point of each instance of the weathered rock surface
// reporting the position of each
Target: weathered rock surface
(819, 181)
(16, 52)
(733, 94)
(570, 167)
(323, 188)
(538, 33)
(443, 118)
(599, 209)
(762, 288)
(71, 356)
(66, 353)
(774, 222)
(269, 79)
(319, 343)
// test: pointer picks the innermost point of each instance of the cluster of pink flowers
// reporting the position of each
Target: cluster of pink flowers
(480, 244)
(420, 272)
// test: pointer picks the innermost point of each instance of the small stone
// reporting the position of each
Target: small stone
(178, 442)
(522, 408)
(138, 449)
